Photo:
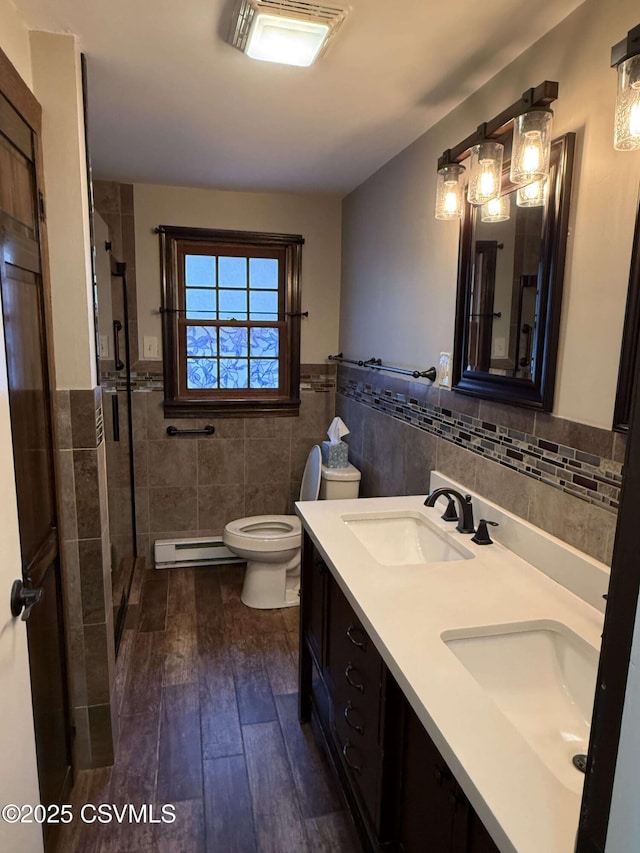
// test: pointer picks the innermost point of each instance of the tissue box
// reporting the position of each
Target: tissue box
(335, 455)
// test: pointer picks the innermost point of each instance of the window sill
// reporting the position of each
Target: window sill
(231, 408)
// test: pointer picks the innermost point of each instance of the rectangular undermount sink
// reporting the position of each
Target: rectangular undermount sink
(403, 538)
(542, 677)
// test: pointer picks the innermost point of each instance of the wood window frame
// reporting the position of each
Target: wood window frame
(180, 402)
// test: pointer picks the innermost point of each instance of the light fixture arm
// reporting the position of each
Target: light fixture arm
(628, 47)
(539, 97)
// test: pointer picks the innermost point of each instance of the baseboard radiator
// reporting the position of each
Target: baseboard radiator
(180, 553)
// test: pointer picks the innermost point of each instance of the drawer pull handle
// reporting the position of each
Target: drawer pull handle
(347, 674)
(361, 644)
(357, 768)
(355, 726)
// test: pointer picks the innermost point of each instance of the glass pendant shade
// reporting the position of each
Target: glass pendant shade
(533, 195)
(496, 210)
(627, 126)
(485, 172)
(531, 147)
(450, 192)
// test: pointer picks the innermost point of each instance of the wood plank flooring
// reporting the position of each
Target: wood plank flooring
(206, 689)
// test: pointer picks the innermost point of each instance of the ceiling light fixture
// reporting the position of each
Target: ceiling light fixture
(625, 56)
(289, 32)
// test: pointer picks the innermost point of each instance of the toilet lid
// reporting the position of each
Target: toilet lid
(310, 487)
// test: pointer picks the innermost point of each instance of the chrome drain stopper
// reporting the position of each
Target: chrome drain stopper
(580, 761)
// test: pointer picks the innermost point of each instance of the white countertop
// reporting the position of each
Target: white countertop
(406, 608)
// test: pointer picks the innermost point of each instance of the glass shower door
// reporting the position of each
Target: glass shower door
(115, 378)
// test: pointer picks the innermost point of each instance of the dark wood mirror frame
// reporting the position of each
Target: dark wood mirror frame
(630, 339)
(536, 392)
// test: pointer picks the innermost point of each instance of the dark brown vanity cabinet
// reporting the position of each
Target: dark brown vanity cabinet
(349, 691)
(435, 814)
(356, 679)
(401, 793)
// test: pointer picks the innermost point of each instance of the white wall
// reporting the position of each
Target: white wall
(399, 263)
(316, 217)
(57, 84)
(14, 40)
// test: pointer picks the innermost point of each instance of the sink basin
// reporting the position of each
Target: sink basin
(542, 677)
(397, 539)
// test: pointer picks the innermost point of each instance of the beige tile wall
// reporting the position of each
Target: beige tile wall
(397, 458)
(192, 486)
(86, 564)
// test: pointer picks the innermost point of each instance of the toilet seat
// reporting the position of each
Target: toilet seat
(266, 533)
(310, 486)
(272, 545)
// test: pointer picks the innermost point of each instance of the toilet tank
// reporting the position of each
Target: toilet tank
(337, 484)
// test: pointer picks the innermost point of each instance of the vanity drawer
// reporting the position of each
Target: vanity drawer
(357, 716)
(352, 659)
(361, 758)
(354, 674)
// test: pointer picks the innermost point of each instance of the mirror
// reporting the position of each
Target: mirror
(510, 293)
(631, 334)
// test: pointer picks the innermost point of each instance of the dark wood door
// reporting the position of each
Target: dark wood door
(23, 316)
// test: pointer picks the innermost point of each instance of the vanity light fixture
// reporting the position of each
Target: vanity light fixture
(289, 32)
(532, 195)
(485, 172)
(530, 117)
(625, 56)
(496, 210)
(450, 191)
(531, 147)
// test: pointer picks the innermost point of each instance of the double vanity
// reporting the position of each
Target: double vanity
(452, 682)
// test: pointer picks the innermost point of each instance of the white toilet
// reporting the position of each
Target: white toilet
(271, 543)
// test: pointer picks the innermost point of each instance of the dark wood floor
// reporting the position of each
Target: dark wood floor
(208, 722)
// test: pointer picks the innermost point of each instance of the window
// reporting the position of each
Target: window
(231, 321)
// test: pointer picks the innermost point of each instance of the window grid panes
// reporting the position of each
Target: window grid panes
(232, 357)
(227, 287)
(231, 321)
(223, 287)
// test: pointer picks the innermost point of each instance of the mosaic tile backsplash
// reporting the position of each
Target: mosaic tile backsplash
(313, 377)
(592, 478)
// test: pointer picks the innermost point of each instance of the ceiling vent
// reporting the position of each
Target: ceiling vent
(292, 32)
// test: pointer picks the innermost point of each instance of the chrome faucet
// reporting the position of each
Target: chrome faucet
(465, 514)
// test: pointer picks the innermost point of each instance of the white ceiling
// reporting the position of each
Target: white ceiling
(171, 102)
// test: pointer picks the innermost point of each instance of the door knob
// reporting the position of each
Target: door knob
(23, 599)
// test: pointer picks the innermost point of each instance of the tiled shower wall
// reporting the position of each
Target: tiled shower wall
(86, 564)
(560, 475)
(193, 485)
(114, 203)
